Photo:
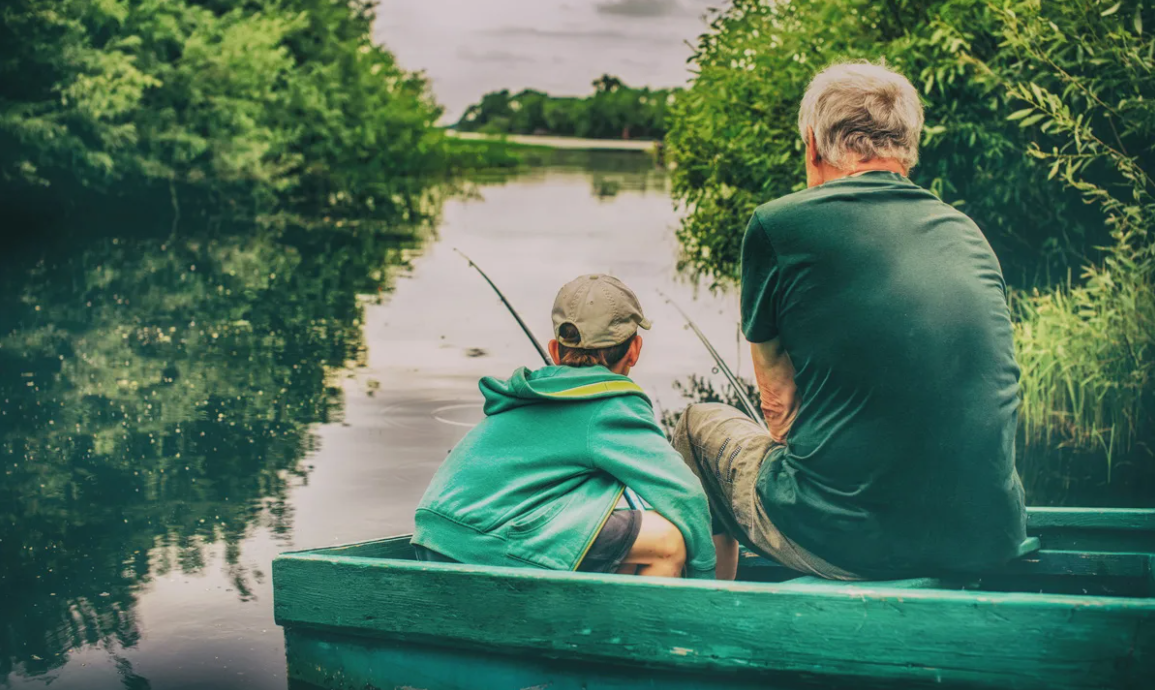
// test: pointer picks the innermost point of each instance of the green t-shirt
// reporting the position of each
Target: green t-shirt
(892, 307)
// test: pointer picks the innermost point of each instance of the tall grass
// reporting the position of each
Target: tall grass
(1087, 348)
(1088, 356)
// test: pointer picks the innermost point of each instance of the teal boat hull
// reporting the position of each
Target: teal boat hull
(343, 662)
(1081, 616)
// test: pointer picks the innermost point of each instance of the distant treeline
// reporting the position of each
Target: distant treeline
(613, 111)
(277, 100)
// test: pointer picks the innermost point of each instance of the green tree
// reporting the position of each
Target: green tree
(613, 111)
(287, 99)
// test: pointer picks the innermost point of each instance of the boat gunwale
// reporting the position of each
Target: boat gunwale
(1040, 519)
(1116, 558)
(826, 590)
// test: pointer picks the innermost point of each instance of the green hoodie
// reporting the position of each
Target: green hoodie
(534, 482)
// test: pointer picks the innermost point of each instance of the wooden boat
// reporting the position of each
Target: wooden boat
(1076, 610)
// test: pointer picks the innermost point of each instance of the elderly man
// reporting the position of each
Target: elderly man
(881, 339)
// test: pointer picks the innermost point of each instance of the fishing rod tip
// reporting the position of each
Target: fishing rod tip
(464, 256)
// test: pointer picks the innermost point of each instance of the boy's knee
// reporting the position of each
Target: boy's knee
(672, 546)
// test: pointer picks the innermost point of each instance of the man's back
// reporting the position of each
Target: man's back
(893, 310)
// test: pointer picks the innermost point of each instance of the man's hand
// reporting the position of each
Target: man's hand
(775, 374)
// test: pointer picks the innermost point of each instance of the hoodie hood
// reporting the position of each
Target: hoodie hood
(554, 384)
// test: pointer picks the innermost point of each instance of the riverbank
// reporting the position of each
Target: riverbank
(569, 143)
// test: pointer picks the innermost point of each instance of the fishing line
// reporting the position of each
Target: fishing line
(513, 312)
(739, 388)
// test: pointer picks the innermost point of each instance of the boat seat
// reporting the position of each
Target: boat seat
(1029, 546)
(910, 583)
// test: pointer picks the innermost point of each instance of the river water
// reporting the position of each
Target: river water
(182, 403)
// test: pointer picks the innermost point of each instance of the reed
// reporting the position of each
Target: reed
(1087, 350)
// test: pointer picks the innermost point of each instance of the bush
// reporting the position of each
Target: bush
(286, 98)
(734, 144)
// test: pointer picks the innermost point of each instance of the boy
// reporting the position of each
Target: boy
(536, 482)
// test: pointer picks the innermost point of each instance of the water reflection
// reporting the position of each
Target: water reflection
(158, 394)
(609, 172)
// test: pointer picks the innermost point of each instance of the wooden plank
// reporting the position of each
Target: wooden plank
(1125, 519)
(1046, 562)
(911, 583)
(981, 639)
(1087, 524)
(343, 662)
(1080, 563)
(1094, 529)
(1092, 539)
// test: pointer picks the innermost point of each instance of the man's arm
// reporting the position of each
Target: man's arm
(772, 366)
(775, 374)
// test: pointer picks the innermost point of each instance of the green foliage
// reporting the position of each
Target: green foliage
(1088, 349)
(734, 141)
(475, 155)
(286, 97)
(1040, 120)
(613, 111)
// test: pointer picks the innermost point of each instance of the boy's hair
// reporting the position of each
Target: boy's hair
(577, 357)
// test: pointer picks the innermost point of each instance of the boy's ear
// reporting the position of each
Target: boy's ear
(554, 352)
(635, 350)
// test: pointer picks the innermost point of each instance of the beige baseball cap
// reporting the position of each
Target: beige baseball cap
(601, 307)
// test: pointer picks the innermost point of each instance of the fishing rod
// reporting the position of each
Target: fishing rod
(528, 333)
(632, 498)
(739, 388)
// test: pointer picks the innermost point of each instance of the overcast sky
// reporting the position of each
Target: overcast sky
(470, 47)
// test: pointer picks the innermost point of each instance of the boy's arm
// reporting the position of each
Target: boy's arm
(629, 445)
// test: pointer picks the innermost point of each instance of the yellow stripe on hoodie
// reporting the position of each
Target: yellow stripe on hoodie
(597, 389)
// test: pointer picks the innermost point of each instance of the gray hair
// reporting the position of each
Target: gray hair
(860, 111)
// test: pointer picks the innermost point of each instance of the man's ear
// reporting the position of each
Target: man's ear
(814, 175)
(812, 154)
(554, 353)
